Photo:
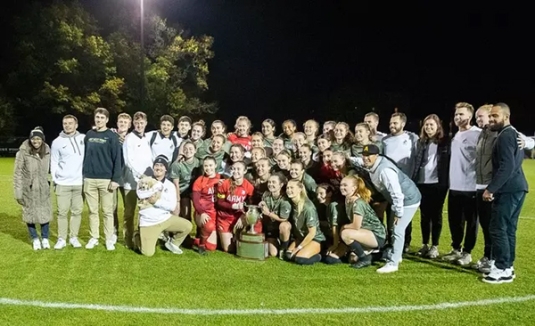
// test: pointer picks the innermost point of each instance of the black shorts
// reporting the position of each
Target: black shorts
(272, 234)
(380, 241)
(377, 197)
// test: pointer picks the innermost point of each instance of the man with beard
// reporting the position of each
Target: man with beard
(401, 146)
(485, 145)
(507, 192)
(462, 217)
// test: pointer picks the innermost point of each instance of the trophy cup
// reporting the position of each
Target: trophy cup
(250, 244)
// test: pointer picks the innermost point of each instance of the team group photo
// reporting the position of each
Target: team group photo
(200, 162)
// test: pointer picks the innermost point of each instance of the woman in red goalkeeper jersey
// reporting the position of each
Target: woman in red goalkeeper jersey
(242, 134)
(203, 200)
(232, 195)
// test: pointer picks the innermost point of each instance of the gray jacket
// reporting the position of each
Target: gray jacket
(397, 188)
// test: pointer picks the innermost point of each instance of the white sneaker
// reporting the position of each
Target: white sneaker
(110, 245)
(452, 256)
(388, 268)
(173, 248)
(483, 265)
(465, 259)
(433, 253)
(114, 239)
(36, 244)
(75, 243)
(499, 276)
(60, 244)
(45, 244)
(92, 243)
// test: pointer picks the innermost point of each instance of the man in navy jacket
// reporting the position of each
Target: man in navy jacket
(507, 191)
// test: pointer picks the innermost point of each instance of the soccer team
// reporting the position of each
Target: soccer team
(323, 196)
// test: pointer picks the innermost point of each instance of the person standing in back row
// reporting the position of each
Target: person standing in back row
(102, 172)
(66, 162)
(462, 217)
(507, 192)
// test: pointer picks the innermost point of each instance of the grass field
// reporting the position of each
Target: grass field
(207, 287)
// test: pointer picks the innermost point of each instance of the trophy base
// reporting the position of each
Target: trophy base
(252, 246)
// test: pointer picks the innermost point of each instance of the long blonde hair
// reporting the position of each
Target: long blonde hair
(361, 190)
(300, 202)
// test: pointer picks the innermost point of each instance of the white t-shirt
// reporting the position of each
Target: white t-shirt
(463, 160)
(429, 172)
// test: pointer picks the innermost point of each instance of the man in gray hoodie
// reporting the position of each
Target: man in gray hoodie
(66, 161)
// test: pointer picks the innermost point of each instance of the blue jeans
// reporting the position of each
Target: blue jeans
(506, 209)
(33, 231)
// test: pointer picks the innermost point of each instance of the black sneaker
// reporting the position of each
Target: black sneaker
(362, 262)
(201, 250)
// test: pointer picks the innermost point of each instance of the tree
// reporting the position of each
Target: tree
(64, 66)
(176, 69)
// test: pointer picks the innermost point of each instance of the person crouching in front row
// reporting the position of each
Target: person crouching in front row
(159, 218)
(306, 247)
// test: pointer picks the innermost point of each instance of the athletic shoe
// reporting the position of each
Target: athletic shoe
(452, 256)
(114, 239)
(173, 248)
(36, 244)
(388, 268)
(60, 244)
(423, 251)
(483, 265)
(75, 243)
(363, 262)
(499, 276)
(465, 259)
(45, 244)
(201, 250)
(433, 252)
(92, 243)
(110, 245)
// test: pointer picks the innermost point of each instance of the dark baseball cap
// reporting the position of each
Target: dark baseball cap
(370, 150)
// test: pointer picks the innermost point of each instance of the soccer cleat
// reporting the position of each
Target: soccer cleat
(465, 259)
(201, 250)
(75, 243)
(499, 276)
(433, 252)
(92, 243)
(45, 244)
(60, 244)
(423, 251)
(36, 244)
(452, 256)
(388, 268)
(173, 248)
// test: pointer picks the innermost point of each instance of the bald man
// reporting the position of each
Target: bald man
(507, 191)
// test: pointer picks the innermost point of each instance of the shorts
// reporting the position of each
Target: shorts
(377, 197)
(380, 241)
(227, 225)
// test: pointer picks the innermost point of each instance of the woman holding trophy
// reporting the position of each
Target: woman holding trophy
(306, 247)
(232, 195)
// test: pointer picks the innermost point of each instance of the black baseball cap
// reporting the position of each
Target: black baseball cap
(370, 150)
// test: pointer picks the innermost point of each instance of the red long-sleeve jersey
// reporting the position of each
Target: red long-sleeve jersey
(203, 193)
(244, 141)
(225, 199)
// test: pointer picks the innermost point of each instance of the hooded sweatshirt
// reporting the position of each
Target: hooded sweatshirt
(67, 158)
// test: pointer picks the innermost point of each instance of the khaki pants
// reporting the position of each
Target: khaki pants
(98, 196)
(69, 198)
(118, 191)
(149, 234)
(130, 203)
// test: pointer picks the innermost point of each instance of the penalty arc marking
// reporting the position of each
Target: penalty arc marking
(295, 311)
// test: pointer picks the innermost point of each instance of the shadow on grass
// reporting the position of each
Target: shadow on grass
(13, 226)
(441, 264)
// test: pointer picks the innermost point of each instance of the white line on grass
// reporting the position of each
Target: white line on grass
(296, 311)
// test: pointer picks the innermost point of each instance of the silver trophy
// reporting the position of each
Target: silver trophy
(252, 216)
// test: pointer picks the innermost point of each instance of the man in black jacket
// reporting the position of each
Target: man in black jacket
(507, 191)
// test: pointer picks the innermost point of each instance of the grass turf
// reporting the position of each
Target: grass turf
(222, 281)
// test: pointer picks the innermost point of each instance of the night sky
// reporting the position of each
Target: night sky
(293, 59)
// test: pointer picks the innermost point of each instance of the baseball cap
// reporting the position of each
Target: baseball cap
(370, 150)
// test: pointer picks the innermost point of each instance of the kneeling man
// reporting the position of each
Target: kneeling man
(159, 218)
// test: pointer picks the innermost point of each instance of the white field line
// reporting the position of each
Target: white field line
(295, 311)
